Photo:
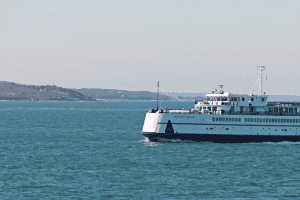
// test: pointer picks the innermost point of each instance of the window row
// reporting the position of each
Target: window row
(267, 120)
(272, 120)
(226, 119)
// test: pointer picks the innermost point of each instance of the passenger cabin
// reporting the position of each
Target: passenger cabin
(225, 103)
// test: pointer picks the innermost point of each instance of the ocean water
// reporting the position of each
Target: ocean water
(94, 150)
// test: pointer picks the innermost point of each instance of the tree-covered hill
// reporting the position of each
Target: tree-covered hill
(15, 91)
(97, 93)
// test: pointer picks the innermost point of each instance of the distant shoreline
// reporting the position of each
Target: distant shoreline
(98, 100)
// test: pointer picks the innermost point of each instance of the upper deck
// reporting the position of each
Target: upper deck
(226, 103)
(228, 98)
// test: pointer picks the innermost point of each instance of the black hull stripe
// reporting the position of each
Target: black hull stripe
(221, 138)
(277, 125)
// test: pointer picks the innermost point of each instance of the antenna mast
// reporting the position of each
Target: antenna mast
(157, 95)
(261, 68)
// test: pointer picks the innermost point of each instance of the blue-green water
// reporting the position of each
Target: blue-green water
(94, 150)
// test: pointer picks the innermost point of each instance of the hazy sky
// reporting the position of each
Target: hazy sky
(189, 46)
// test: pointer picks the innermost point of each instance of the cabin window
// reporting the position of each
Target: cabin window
(226, 119)
(294, 120)
(260, 119)
(263, 99)
(239, 119)
(213, 119)
(245, 120)
(220, 119)
(264, 120)
(230, 119)
(288, 120)
(251, 119)
(243, 99)
(281, 120)
(254, 119)
(267, 120)
(252, 99)
(273, 120)
(284, 120)
(217, 119)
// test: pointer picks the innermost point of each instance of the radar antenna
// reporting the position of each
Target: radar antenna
(221, 91)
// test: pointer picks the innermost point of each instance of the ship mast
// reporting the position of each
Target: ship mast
(261, 68)
(157, 95)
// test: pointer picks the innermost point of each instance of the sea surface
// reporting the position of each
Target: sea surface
(94, 150)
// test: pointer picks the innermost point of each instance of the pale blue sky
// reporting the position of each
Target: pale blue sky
(189, 46)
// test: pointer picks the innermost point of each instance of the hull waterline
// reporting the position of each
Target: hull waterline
(220, 138)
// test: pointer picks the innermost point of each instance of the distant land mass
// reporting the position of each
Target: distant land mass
(98, 93)
(19, 92)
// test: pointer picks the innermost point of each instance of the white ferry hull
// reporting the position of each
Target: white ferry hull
(204, 127)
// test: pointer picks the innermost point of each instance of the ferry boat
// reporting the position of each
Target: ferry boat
(225, 117)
